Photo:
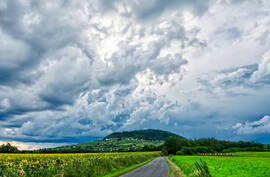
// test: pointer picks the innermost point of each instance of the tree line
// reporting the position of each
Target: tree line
(174, 145)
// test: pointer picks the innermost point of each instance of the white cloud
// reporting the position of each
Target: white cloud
(256, 127)
(263, 73)
(76, 69)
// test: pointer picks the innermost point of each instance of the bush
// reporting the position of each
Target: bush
(253, 149)
(203, 149)
(180, 152)
(164, 151)
(189, 150)
(233, 149)
(186, 151)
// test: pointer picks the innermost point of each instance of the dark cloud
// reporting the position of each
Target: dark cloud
(74, 70)
(152, 9)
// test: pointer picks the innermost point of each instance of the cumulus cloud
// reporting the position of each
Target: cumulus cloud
(73, 71)
(256, 127)
(263, 73)
(239, 76)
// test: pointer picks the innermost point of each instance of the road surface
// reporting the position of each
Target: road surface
(156, 168)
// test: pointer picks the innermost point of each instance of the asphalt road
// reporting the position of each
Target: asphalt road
(155, 168)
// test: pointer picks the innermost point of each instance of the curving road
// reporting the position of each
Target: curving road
(155, 168)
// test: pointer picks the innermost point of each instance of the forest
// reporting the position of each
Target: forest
(174, 145)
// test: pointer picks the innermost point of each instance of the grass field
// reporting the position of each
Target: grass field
(242, 164)
(88, 164)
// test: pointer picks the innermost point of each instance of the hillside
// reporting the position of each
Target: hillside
(138, 140)
(149, 134)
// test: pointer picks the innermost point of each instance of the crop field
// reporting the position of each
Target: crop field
(86, 164)
(242, 164)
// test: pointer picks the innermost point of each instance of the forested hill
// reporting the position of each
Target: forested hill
(138, 140)
(149, 134)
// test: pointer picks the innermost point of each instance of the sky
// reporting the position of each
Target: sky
(76, 71)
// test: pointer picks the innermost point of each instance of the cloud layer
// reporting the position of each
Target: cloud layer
(74, 71)
(256, 127)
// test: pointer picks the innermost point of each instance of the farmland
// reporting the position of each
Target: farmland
(79, 164)
(246, 164)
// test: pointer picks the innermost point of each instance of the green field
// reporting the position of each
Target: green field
(242, 164)
(76, 164)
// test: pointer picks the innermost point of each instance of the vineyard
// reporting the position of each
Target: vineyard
(85, 164)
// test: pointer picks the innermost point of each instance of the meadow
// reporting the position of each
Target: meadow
(77, 164)
(242, 164)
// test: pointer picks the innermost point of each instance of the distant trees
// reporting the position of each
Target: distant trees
(174, 145)
(151, 147)
(8, 148)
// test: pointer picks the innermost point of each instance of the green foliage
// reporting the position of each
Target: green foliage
(237, 149)
(173, 144)
(180, 152)
(248, 164)
(164, 151)
(193, 150)
(203, 149)
(202, 169)
(210, 145)
(8, 148)
(188, 150)
(232, 149)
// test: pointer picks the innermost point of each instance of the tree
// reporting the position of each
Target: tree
(172, 144)
(8, 148)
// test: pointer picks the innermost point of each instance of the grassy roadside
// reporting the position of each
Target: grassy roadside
(248, 164)
(128, 169)
(174, 170)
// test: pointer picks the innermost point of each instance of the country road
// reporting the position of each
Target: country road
(156, 168)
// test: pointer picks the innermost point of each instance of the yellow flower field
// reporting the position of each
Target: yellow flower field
(77, 164)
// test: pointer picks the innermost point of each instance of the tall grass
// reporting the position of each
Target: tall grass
(202, 169)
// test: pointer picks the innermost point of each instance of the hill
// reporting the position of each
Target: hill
(149, 134)
(138, 140)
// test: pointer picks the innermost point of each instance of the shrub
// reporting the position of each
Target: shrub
(203, 149)
(180, 152)
(233, 149)
(254, 149)
(164, 151)
(188, 150)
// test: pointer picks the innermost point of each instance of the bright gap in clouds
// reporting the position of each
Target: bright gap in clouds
(74, 71)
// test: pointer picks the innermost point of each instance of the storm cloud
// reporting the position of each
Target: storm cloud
(74, 71)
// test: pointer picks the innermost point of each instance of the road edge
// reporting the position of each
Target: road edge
(128, 169)
(174, 170)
